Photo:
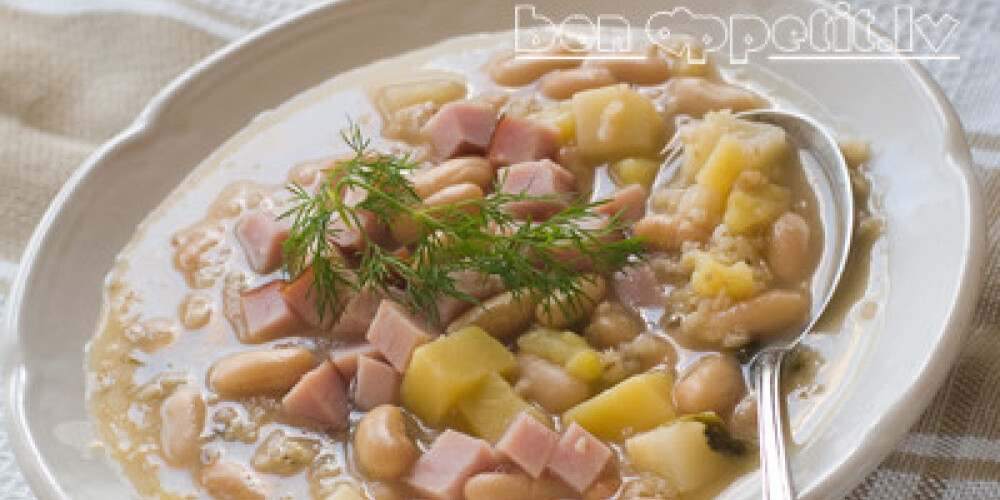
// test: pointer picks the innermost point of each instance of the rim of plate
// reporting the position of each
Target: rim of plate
(892, 425)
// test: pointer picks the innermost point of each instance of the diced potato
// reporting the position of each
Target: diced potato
(678, 452)
(397, 96)
(711, 277)
(346, 492)
(750, 209)
(488, 410)
(480, 348)
(564, 348)
(702, 205)
(640, 171)
(617, 122)
(763, 144)
(560, 117)
(443, 371)
(555, 346)
(585, 365)
(433, 383)
(636, 404)
(723, 166)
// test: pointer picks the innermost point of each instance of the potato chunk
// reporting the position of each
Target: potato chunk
(711, 276)
(564, 348)
(678, 452)
(635, 404)
(641, 171)
(762, 144)
(753, 208)
(617, 122)
(489, 409)
(723, 166)
(450, 367)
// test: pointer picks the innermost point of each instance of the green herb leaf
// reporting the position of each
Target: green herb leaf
(537, 257)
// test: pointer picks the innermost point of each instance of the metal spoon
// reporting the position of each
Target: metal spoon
(828, 177)
(826, 171)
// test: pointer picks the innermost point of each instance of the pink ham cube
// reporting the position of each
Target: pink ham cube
(396, 334)
(579, 458)
(303, 297)
(518, 140)
(460, 128)
(537, 178)
(261, 235)
(320, 397)
(629, 203)
(529, 444)
(368, 229)
(346, 358)
(357, 316)
(452, 459)
(267, 316)
(376, 383)
(637, 286)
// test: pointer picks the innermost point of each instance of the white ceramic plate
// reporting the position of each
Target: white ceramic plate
(932, 253)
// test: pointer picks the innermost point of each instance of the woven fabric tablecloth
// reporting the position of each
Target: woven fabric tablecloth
(74, 73)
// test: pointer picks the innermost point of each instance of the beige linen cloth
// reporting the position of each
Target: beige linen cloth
(73, 73)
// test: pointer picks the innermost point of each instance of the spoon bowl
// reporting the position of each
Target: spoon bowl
(828, 176)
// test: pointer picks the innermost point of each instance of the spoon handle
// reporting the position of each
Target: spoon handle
(775, 476)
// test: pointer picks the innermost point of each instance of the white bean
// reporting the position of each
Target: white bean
(770, 313)
(383, 449)
(511, 71)
(562, 84)
(666, 232)
(182, 417)
(649, 70)
(696, 96)
(498, 486)
(502, 316)
(549, 384)
(788, 247)
(466, 169)
(561, 311)
(229, 480)
(713, 384)
(272, 372)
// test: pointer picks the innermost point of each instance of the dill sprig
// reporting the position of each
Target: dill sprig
(535, 257)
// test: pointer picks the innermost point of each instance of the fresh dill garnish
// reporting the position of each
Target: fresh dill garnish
(535, 257)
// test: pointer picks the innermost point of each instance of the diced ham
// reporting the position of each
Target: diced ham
(346, 358)
(261, 235)
(451, 460)
(460, 128)
(537, 178)
(396, 334)
(637, 286)
(517, 140)
(529, 444)
(319, 397)
(357, 316)
(376, 383)
(301, 295)
(353, 237)
(268, 316)
(475, 285)
(629, 201)
(579, 458)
